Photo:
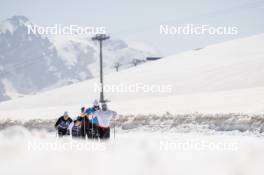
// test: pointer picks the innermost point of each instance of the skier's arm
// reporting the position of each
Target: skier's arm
(58, 122)
(94, 114)
(70, 127)
(114, 115)
(88, 111)
(94, 117)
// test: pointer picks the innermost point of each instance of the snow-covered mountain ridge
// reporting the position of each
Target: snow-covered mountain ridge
(30, 62)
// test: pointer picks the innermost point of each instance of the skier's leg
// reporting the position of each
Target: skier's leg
(83, 132)
(60, 134)
(96, 132)
(89, 131)
(107, 133)
(101, 132)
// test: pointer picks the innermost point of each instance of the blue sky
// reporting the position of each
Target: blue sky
(140, 19)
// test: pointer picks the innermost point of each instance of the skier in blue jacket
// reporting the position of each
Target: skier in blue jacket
(90, 111)
(93, 122)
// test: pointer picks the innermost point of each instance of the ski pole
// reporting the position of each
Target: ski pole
(84, 127)
(92, 128)
(115, 114)
(114, 128)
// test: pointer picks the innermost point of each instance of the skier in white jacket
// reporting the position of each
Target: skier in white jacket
(104, 117)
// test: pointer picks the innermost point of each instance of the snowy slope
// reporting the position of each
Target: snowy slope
(75, 50)
(226, 77)
(31, 63)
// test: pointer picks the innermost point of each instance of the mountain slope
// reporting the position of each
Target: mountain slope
(226, 77)
(31, 62)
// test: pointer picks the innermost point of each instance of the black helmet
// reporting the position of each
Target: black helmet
(104, 107)
(82, 109)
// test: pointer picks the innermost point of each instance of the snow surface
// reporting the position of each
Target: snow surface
(130, 153)
(221, 78)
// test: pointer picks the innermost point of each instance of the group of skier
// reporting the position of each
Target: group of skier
(92, 123)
